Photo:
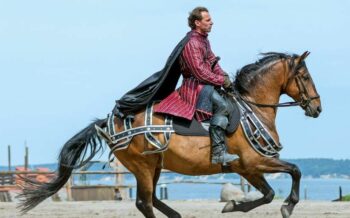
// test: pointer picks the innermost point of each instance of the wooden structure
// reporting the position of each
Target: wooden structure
(5, 196)
(40, 175)
(6, 180)
(7, 183)
(93, 193)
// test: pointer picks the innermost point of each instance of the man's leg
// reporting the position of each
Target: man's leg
(217, 129)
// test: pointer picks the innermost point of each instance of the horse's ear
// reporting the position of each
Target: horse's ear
(302, 57)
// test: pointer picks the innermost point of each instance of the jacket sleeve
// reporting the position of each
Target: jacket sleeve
(194, 59)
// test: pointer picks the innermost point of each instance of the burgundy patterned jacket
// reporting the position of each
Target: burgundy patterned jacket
(195, 63)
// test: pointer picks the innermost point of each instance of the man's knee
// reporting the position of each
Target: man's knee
(223, 108)
(220, 105)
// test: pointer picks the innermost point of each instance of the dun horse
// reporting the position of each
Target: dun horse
(260, 85)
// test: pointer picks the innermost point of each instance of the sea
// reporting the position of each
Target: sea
(181, 187)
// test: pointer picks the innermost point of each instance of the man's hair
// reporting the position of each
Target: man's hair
(196, 14)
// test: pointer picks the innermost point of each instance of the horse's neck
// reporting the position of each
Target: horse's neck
(266, 114)
(268, 92)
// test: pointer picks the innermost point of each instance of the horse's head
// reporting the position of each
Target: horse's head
(261, 83)
(301, 87)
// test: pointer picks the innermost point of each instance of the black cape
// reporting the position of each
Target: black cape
(156, 87)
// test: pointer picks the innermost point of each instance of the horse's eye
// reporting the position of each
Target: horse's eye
(306, 77)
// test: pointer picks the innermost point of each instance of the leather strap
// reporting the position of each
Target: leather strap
(249, 121)
(121, 140)
(150, 137)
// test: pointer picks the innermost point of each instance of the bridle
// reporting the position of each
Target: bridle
(305, 98)
(303, 93)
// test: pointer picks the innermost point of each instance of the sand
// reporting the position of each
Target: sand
(188, 209)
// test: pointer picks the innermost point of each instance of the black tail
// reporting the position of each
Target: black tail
(72, 156)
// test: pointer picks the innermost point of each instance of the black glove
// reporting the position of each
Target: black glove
(217, 59)
(227, 82)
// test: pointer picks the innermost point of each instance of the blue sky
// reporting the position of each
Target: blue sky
(63, 63)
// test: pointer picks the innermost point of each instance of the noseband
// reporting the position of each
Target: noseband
(305, 98)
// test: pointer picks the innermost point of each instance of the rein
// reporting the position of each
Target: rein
(303, 103)
(284, 104)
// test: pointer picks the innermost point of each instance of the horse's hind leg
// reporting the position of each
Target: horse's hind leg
(162, 207)
(144, 193)
(143, 169)
(259, 182)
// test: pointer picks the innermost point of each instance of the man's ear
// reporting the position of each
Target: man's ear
(197, 22)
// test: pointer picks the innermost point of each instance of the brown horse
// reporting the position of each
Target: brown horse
(260, 84)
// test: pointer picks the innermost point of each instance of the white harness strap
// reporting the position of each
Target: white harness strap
(121, 140)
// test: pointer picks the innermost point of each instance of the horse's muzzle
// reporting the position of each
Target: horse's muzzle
(313, 111)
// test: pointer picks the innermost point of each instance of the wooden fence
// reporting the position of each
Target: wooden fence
(7, 179)
(100, 192)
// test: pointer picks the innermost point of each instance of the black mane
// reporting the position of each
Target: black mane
(248, 75)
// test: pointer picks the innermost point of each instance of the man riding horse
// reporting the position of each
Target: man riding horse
(273, 75)
(198, 96)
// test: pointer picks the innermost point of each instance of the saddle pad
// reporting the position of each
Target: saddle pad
(188, 127)
(194, 128)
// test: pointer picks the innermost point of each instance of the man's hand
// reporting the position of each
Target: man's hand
(227, 81)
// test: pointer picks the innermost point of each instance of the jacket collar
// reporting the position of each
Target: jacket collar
(198, 34)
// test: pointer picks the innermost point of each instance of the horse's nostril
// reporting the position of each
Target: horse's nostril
(319, 109)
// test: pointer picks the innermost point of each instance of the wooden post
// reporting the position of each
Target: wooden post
(249, 187)
(12, 181)
(130, 192)
(120, 179)
(69, 189)
(9, 156)
(163, 192)
(340, 194)
(26, 158)
(242, 184)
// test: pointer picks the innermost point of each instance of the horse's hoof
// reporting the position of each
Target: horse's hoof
(229, 207)
(285, 212)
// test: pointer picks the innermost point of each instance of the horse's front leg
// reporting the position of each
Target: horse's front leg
(259, 182)
(273, 165)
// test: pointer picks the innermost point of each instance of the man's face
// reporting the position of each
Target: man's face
(204, 25)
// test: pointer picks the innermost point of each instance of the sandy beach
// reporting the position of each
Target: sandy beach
(188, 209)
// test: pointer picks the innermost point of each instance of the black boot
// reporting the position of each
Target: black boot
(219, 154)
